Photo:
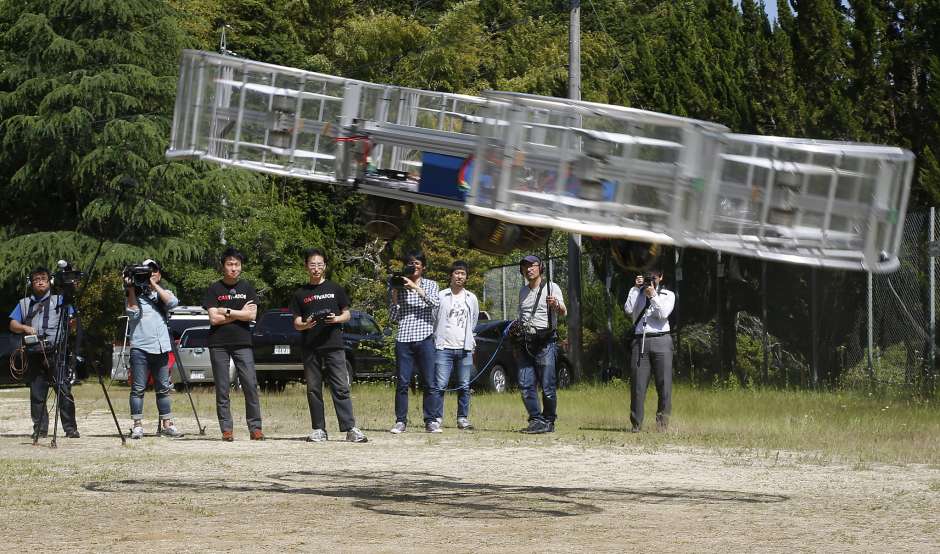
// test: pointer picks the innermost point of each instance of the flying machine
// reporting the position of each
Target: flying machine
(521, 165)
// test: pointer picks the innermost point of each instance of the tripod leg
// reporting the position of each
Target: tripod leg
(185, 377)
(107, 397)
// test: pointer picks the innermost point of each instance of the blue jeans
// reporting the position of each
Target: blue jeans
(538, 368)
(143, 365)
(407, 356)
(447, 360)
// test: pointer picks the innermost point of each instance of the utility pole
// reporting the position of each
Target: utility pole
(575, 342)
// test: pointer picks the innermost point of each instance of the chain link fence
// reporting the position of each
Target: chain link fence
(883, 339)
(894, 342)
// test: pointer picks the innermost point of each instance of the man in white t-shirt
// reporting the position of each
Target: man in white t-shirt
(454, 343)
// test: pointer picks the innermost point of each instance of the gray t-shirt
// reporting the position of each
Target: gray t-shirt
(538, 320)
(455, 322)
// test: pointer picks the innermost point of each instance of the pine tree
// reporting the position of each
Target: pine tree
(86, 97)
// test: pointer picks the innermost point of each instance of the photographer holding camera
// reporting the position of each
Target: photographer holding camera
(413, 303)
(147, 306)
(320, 308)
(535, 346)
(649, 304)
(37, 318)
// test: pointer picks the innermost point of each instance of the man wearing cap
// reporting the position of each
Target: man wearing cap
(540, 304)
(649, 304)
(147, 309)
(37, 316)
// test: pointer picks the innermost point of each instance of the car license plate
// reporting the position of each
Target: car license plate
(197, 375)
(281, 349)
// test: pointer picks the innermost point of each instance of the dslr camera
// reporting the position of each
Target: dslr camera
(648, 279)
(138, 275)
(319, 316)
(396, 280)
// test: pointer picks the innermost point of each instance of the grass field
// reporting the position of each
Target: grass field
(822, 425)
(737, 471)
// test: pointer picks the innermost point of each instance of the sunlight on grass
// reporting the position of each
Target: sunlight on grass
(817, 426)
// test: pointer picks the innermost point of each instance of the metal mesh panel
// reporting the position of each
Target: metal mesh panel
(501, 287)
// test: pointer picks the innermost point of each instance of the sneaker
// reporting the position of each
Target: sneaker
(257, 435)
(171, 432)
(551, 427)
(440, 421)
(635, 429)
(355, 435)
(433, 427)
(398, 428)
(318, 435)
(228, 436)
(73, 434)
(464, 423)
(137, 432)
(536, 427)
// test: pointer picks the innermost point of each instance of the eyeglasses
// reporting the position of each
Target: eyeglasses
(38, 279)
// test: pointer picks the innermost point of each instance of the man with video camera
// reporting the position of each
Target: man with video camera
(147, 306)
(37, 318)
(413, 303)
(649, 304)
(320, 308)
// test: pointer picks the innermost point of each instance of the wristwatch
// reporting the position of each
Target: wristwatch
(228, 312)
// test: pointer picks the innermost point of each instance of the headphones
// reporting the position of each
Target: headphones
(527, 263)
(37, 271)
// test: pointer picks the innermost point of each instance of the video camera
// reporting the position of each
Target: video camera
(319, 316)
(397, 279)
(138, 275)
(66, 274)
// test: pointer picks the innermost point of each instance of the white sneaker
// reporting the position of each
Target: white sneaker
(318, 435)
(398, 428)
(137, 432)
(171, 432)
(464, 423)
(433, 427)
(355, 435)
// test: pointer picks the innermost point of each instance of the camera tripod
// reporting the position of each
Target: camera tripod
(67, 361)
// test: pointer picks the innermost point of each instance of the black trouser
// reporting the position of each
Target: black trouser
(40, 372)
(656, 357)
(244, 360)
(333, 364)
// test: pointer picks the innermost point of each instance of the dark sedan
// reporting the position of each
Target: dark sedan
(276, 346)
(495, 349)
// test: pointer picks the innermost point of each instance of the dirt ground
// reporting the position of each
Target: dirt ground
(455, 492)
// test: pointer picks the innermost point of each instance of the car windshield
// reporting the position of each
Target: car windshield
(195, 338)
(277, 322)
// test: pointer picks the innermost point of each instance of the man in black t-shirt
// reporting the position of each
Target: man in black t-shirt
(320, 308)
(232, 306)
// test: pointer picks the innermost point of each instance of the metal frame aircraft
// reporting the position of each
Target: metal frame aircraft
(520, 164)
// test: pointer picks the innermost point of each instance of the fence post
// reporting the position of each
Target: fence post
(932, 352)
(871, 334)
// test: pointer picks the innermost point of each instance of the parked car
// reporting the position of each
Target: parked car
(277, 349)
(502, 373)
(181, 319)
(194, 354)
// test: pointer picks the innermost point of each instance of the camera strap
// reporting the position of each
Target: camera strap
(158, 305)
(34, 308)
